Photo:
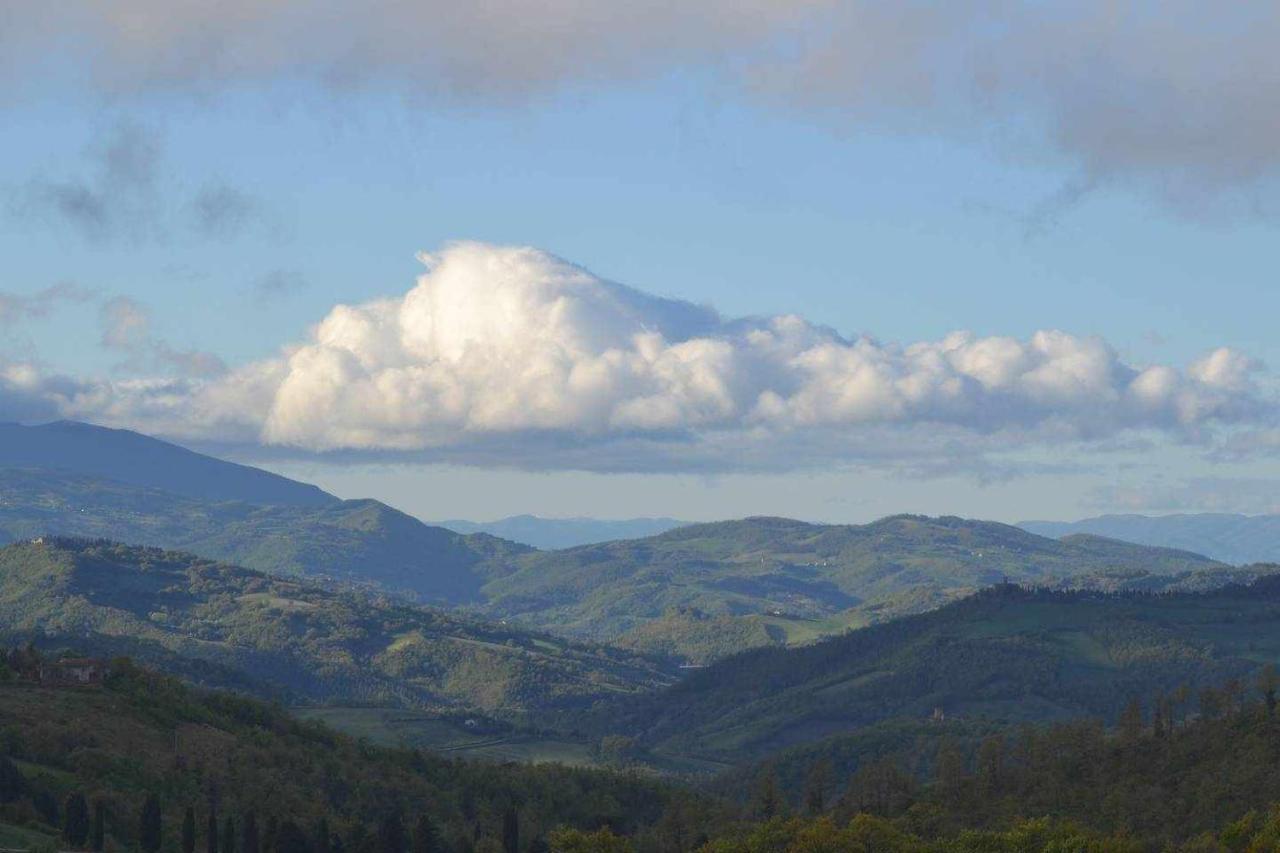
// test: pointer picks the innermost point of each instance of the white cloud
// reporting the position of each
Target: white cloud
(1176, 99)
(510, 356)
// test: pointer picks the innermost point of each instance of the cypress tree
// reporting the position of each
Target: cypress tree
(99, 826)
(511, 831)
(12, 783)
(391, 833)
(424, 836)
(211, 832)
(249, 834)
(75, 820)
(322, 844)
(228, 837)
(269, 834)
(290, 838)
(189, 830)
(149, 825)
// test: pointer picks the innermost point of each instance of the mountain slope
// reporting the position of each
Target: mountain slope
(352, 541)
(781, 566)
(1237, 539)
(129, 457)
(312, 644)
(554, 533)
(1006, 653)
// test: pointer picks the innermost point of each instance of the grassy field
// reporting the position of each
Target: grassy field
(21, 838)
(398, 727)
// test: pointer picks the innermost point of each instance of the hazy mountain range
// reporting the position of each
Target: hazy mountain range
(696, 592)
(1237, 539)
(553, 533)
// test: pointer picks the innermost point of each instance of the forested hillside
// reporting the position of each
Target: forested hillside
(224, 624)
(351, 541)
(854, 573)
(265, 781)
(1007, 654)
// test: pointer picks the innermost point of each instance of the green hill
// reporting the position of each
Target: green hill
(224, 624)
(1004, 654)
(353, 541)
(780, 567)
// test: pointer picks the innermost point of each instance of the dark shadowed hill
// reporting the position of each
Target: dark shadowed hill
(309, 643)
(1237, 539)
(1004, 654)
(129, 457)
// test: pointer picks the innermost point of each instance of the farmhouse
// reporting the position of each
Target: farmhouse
(73, 672)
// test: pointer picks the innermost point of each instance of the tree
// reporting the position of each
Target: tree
(816, 787)
(991, 765)
(99, 840)
(290, 839)
(228, 836)
(1130, 722)
(767, 802)
(1210, 704)
(391, 837)
(511, 831)
(1268, 682)
(12, 783)
(189, 830)
(424, 836)
(149, 825)
(323, 844)
(249, 834)
(75, 820)
(950, 772)
(211, 832)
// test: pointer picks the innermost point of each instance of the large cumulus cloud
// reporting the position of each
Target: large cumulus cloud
(511, 356)
(1176, 99)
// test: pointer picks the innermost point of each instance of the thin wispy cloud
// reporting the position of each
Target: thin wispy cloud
(1173, 100)
(122, 192)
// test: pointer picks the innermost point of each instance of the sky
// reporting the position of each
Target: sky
(703, 259)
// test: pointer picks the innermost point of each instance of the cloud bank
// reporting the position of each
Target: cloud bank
(1177, 99)
(511, 356)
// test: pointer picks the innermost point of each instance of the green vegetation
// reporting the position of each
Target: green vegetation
(1007, 654)
(224, 625)
(363, 542)
(771, 566)
(145, 749)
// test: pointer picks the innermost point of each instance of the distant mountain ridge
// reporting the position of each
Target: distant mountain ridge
(853, 574)
(360, 541)
(1231, 538)
(555, 533)
(140, 460)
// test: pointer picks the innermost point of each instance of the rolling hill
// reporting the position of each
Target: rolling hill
(1007, 654)
(223, 624)
(1237, 539)
(350, 541)
(819, 579)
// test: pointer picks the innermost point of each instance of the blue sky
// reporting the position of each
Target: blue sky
(676, 184)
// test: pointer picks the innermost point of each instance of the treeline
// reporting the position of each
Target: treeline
(1174, 767)
(148, 764)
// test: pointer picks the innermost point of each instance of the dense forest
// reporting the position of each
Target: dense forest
(145, 763)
